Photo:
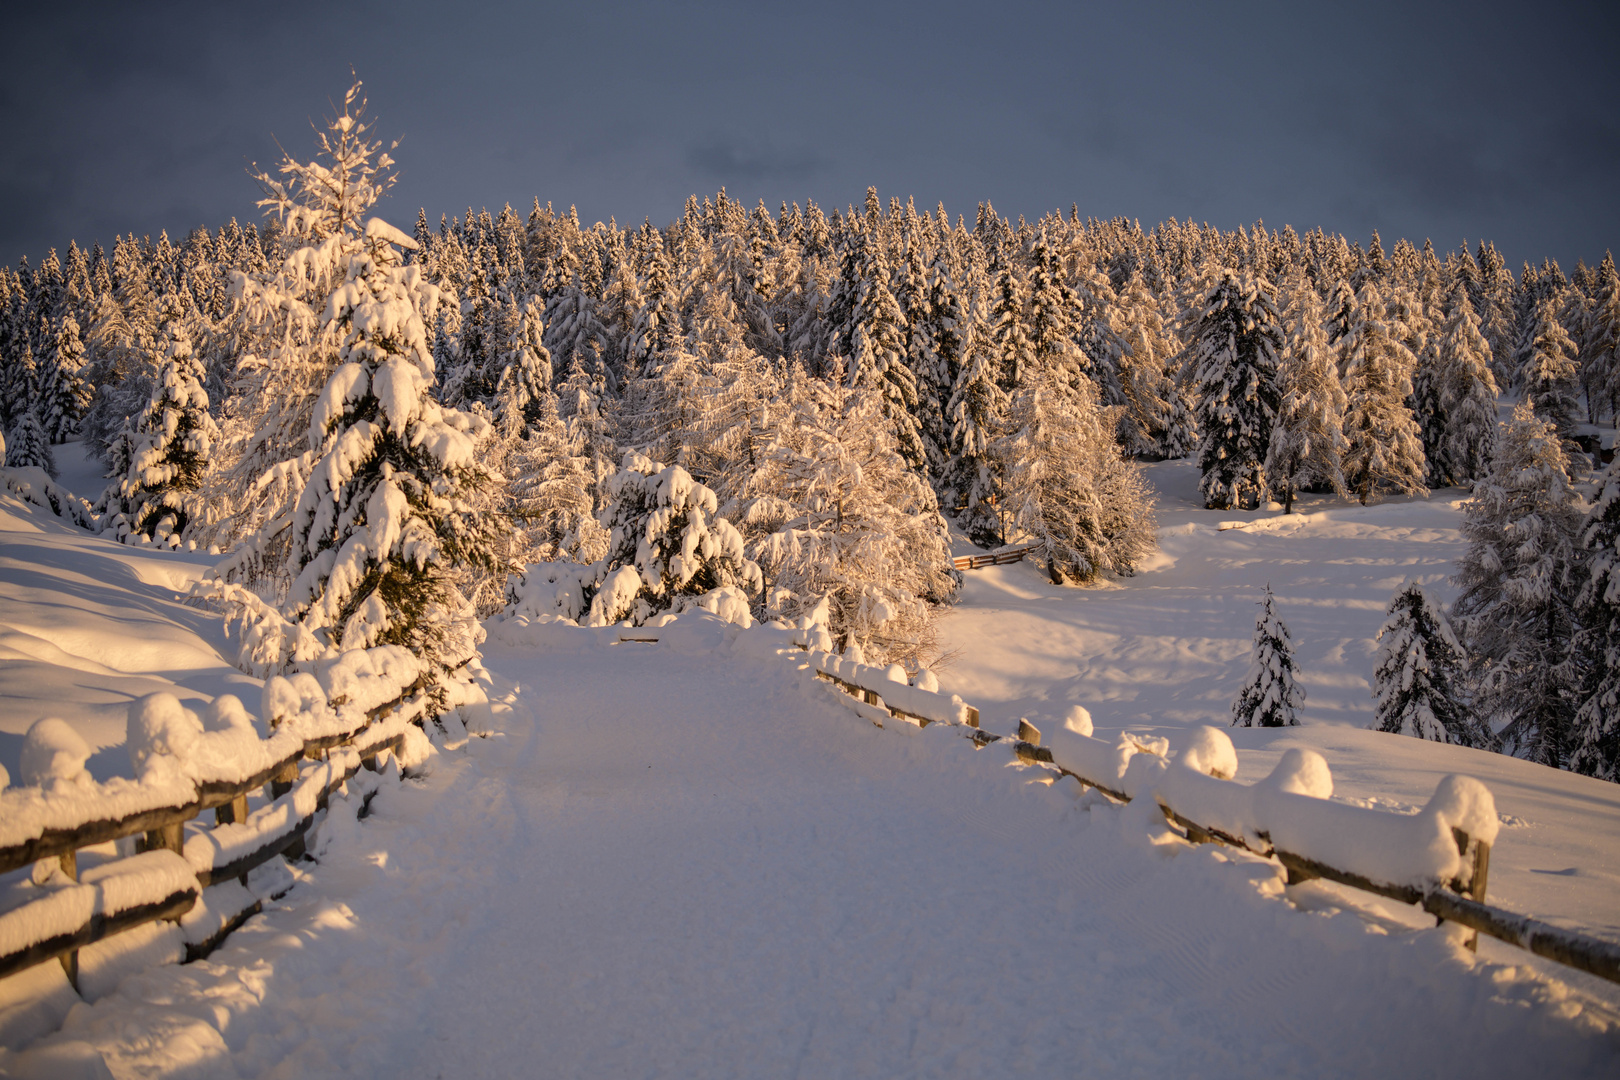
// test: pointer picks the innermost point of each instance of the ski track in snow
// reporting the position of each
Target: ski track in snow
(689, 865)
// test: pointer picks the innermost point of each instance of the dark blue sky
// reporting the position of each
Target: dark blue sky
(1438, 120)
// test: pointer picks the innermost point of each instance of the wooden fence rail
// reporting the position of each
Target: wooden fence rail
(1460, 901)
(163, 829)
(993, 558)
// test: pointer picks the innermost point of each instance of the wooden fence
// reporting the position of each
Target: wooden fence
(1460, 900)
(994, 558)
(166, 881)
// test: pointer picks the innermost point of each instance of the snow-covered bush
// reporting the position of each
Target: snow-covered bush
(1272, 692)
(668, 549)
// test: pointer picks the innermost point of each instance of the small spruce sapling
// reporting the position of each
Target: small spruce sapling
(1271, 694)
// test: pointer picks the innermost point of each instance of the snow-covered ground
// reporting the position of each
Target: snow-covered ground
(684, 859)
(1170, 648)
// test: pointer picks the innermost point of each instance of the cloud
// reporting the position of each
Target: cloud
(728, 159)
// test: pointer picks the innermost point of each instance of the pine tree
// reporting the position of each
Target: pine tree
(27, 445)
(1600, 346)
(1307, 444)
(1272, 692)
(1148, 424)
(169, 447)
(1548, 375)
(834, 513)
(977, 411)
(1595, 740)
(388, 510)
(1417, 681)
(1515, 612)
(1237, 340)
(1467, 396)
(551, 492)
(65, 393)
(1384, 446)
(1069, 487)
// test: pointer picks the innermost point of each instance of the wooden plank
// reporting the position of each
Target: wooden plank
(1591, 955)
(97, 929)
(202, 948)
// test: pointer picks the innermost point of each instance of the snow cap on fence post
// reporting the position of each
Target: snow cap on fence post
(52, 751)
(1466, 804)
(159, 726)
(1210, 752)
(1078, 720)
(1301, 772)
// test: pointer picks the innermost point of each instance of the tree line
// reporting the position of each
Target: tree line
(778, 410)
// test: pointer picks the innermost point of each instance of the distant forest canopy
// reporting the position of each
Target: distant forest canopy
(387, 436)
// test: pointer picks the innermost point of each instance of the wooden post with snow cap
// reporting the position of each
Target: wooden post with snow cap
(1480, 871)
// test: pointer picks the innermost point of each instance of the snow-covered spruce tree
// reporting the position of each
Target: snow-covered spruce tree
(1548, 375)
(1467, 396)
(290, 336)
(668, 550)
(834, 512)
(1417, 682)
(64, 393)
(1271, 693)
(1600, 346)
(390, 523)
(1149, 425)
(381, 509)
(976, 413)
(1384, 448)
(1069, 486)
(1236, 342)
(27, 444)
(1596, 738)
(1307, 444)
(550, 492)
(168, 447)
(1516, 610)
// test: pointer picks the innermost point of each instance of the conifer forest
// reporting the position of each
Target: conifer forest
(390, 430)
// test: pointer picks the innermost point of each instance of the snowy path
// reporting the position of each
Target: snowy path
(694, 865)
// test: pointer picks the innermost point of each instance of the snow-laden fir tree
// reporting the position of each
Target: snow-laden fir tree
(1596, 739)
(1307, 444)
(1417, 682)
(1467, 396)
(1069, 487)
(392, 519)
(977, 411)
(390, 503)
(668, 551)
(551, 492)
(1152, 425)
(1515, 613)
(1600, 345)
(1548, 377)
(64, 393)
(1271, 693)
(27, 443)
(167, 450)
(290, 338)
(834, 513)
(1384, 448)
(1236, 343)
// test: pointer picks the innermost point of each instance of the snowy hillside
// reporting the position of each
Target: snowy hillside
(1169, 648)
(685, 858)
